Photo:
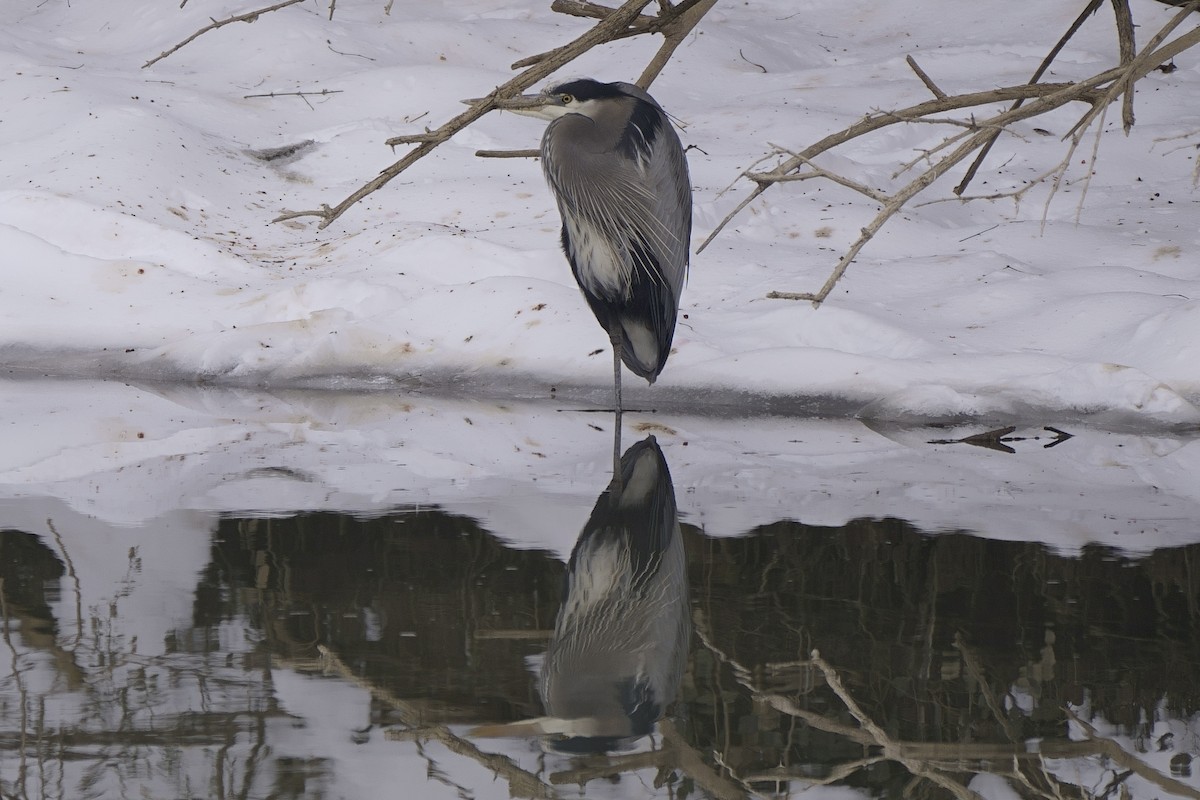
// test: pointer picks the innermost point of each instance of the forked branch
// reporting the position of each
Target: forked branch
(249, 16)
(1031, 100)
(625, 20)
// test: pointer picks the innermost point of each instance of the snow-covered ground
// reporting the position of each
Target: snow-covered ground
(136, 245)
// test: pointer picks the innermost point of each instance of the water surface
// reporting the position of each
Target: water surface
(201, 612)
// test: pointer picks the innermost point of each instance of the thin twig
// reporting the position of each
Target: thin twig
(1037, 74)
(925, 79)
(895, 204)
(530, 153)
(249, 16)
(927, 155)
(1091, 165)
(816, 172)
(787, 706)
(751, 63)
(321, 93)
(989, 697)
(1059, 172)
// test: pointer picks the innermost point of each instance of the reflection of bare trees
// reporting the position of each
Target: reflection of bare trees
(940, 659)
(938, 642)
(675, 762)
(414, 726)
(948, 766)
(955, 657)
(84, 712)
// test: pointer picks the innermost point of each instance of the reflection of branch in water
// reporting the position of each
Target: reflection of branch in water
(1117, 754)
(604, 766)
(521, 783)
(779, 702)
(930, 761)
(838, 773)
(893, 750)
(989, 696)
(677, 754)
(868, 733)
(22, 697)
(62, 548)
(692, 763)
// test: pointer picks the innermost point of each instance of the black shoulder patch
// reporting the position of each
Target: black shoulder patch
(645, 122)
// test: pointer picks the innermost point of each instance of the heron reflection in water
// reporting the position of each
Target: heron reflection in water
(616, 659)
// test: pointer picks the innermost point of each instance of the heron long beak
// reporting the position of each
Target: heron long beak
(529, 105)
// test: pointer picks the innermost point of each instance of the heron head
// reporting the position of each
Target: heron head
(581, 96)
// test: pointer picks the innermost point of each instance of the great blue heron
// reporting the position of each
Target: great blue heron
(616, 659)
(620, 177)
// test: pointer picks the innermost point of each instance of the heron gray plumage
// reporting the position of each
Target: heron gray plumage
(620, 178)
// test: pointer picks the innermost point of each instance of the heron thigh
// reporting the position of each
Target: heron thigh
(643, 340)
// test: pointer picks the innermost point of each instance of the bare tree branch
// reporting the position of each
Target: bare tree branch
(925, 79)
(581, 8)
(321, 93)
(1088, 10)
(815, 172)
(1125, 42)
(1073, 92)
(520, 781)
(615, 25)
(667, 15)
(675, 26)
(249, 16)
(1098, 91)
(1145, 61)
(891, 749)
(531, 153)
(674, 32)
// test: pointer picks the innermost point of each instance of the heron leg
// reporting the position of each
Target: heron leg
(616, 348)
(615, 338)
(615, 483)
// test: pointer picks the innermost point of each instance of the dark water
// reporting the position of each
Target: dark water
(943, 660)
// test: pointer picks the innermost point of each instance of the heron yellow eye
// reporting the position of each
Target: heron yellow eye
(566, 98)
